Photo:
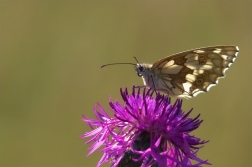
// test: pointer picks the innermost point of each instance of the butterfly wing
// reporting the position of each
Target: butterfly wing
(189, 73)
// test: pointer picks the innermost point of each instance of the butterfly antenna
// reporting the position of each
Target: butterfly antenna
(116, 64)
(136, 60)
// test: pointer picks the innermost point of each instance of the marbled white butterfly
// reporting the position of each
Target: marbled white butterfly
(188, 73)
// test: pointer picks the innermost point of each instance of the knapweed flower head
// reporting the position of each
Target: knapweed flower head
(145, 132)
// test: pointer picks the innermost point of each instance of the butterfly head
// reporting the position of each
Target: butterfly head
(141, 69)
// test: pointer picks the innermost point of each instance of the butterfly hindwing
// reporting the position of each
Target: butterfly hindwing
(191, 72)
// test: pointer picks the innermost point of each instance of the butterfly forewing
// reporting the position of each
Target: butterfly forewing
(189, 73)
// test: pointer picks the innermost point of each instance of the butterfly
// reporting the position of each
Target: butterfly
(188, 73)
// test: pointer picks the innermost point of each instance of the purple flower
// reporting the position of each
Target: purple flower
(145, 131)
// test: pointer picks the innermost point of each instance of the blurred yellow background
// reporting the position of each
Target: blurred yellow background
(51, 53)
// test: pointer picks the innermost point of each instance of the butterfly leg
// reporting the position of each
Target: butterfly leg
(154, 85)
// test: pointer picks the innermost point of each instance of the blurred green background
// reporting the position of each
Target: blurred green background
(51, 53)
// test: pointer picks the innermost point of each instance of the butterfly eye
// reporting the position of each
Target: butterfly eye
(141, 69)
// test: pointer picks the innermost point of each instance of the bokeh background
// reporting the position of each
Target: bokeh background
(51, 53)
